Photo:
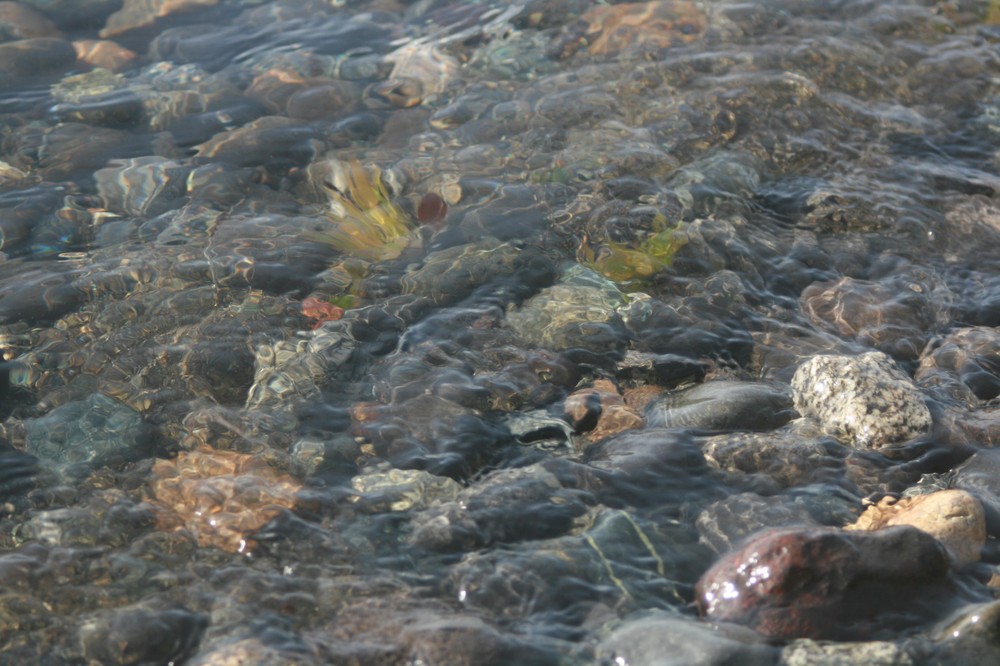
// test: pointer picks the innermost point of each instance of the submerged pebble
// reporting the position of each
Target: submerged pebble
(723, 406)
(825, 583)
(953, 517)
(422, 332)
(864, 400)
(667, 639)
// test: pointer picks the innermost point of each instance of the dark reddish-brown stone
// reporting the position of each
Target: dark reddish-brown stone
(432, 209)
(826, 583)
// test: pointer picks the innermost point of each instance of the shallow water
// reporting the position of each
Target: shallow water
(379, 332)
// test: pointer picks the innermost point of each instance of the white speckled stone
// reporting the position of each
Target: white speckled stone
(864, 400)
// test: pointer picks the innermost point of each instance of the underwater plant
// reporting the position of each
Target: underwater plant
(624, 264)
(367, 224)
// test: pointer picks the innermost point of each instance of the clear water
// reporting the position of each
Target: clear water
(262, 402)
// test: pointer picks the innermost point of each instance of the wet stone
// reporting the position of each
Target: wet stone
(723, 405)
(893, 316)
(220, 497)
(139, 636)
(137, 14)
(451, 274)
(104, 54)
(726, 524)
(20, 22)
(667, 639)
(402, 490)
(35, 57)
(74, 151)
(694, 331)
(19, 473)
(634, 26)
(62, 527)
(145, 186)
(980, 476)
(323, 100)
(444, 437)
(865, 401)
(641, 462)
(468, 640)
(538, 430)
(964, 362)
(789, 457)
(72, 15)
(619, 560)
(274, 141)
(667, 370)
(91, 432)
(601, 411)
(970, 636)
(953, 517)
(570, 315)
(507, 506)
(825, 583)
(113, 109)
(806, 652)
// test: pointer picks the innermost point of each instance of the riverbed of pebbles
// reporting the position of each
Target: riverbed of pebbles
(540, 332)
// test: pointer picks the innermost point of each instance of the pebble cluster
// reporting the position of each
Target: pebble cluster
(481, 332)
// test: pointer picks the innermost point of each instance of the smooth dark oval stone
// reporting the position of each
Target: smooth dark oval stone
(75, 14)
(723, 405)
(40, 57)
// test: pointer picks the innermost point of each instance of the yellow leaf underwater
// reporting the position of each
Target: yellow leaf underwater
(367, 224)
(626, 264)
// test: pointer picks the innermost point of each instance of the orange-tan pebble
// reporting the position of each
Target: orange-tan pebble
(221, 497)
(953, 517)
(104, 53)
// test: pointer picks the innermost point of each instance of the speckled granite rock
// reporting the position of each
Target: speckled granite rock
(723, 405)
(953, 517)
(874, 653)
(864, 400)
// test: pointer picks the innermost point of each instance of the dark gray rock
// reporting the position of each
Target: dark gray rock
(135, 636)
(723, 405)
(663, 639)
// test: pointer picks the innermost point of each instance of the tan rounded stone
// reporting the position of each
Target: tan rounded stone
(953, 517)
(104, 53)
(220, 497)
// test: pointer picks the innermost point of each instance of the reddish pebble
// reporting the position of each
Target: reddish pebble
(321, 311)
(432, 209)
